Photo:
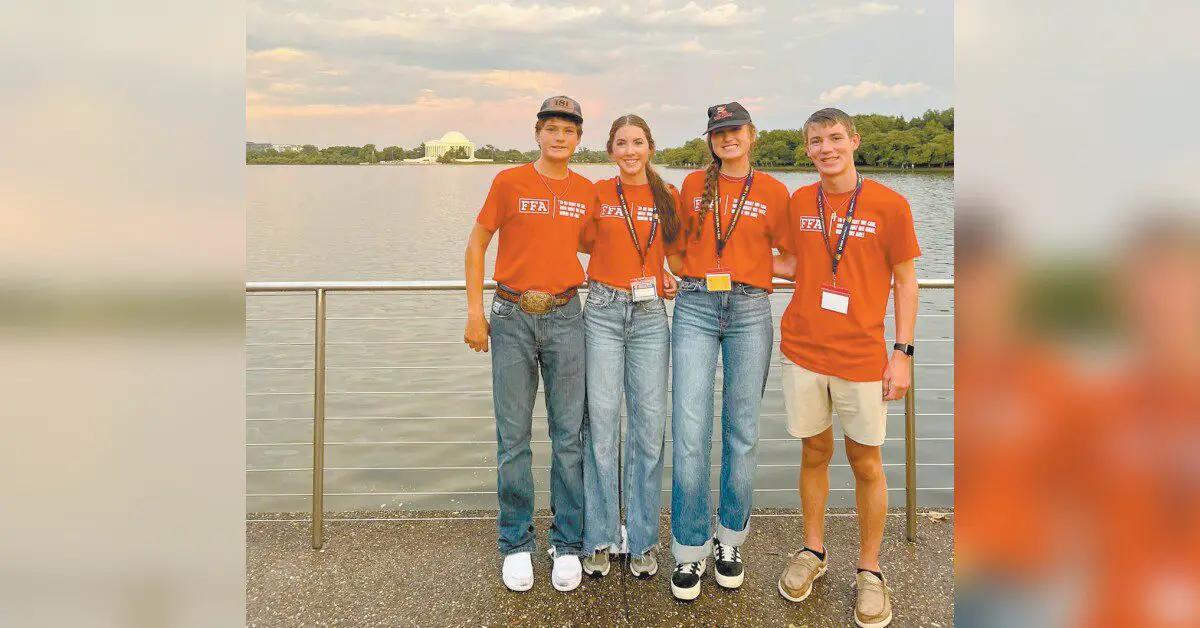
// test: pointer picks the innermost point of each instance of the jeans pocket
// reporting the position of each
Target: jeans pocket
(599, 296)
(571, 310)
(754, 291)
(502, 308)
(656, 306)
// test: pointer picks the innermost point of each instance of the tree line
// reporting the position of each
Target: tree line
(887, 141)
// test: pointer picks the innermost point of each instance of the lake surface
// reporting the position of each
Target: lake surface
(408, 405)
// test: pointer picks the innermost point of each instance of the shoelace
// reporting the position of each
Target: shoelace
(691, 568)
(727, 553)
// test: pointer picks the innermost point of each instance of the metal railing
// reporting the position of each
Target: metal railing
(320, 290)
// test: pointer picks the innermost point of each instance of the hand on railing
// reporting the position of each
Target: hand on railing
(476, 335)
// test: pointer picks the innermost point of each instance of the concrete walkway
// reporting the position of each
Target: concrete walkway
(401, 572)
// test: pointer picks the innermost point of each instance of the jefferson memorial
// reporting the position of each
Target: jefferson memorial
(449, 141)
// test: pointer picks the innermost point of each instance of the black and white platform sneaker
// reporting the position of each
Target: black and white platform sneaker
(685, 581)
(730, 572)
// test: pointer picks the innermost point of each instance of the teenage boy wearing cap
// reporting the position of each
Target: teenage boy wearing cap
(535, 325)
(853, 239)
(733, 217)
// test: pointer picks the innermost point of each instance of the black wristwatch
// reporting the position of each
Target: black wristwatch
(907, 349)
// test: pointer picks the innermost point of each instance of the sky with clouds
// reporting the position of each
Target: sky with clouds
(354, 72)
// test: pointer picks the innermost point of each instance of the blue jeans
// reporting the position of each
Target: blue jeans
(628, 346)
(737, 325)
(521, 344)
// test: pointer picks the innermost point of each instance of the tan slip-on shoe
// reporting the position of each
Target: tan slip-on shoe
(874, 606)
(802, 571)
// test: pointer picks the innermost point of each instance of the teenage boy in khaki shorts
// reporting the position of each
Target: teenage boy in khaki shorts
(852, 238)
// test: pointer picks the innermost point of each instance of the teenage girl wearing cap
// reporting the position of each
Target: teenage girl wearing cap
(733, 216)
(628, 349)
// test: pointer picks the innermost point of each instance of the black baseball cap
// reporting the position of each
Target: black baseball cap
(725, 115)
(562, 106)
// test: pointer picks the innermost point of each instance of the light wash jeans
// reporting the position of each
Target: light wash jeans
(737, 326)
(521, 344)
(628, 347)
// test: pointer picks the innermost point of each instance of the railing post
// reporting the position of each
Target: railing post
(910, 455)
(318, 483)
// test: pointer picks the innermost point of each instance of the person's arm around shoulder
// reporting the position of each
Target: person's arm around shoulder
(477, 331)
(675, 255)
(783, 264)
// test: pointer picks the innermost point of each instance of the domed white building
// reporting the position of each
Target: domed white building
(449, 141)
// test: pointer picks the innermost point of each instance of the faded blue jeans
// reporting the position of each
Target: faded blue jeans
(521, 345)
(736, 325)
(628, 347)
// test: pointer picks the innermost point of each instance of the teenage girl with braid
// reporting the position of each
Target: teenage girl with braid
(733, 217)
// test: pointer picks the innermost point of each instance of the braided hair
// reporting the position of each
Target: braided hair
(712, 179)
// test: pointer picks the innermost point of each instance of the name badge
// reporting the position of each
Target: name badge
(835, 299)
(719, 280)
(644, 289)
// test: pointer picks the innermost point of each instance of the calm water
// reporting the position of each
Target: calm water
(407, 399)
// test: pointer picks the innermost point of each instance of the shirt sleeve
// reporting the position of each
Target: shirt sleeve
(902, 236)
(781, 223)
(493, 213)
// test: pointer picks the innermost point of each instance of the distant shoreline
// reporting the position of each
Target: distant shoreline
(942, 169)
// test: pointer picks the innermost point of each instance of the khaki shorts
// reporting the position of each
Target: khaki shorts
(811, 399)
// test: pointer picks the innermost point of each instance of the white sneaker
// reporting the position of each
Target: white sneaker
(518, 571)
(567, 573)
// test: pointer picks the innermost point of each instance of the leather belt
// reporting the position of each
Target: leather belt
(534, 301)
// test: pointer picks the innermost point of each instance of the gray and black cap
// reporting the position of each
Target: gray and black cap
(726, 115)
(563, 106)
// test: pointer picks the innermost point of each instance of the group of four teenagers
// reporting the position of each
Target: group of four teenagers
(729, 229)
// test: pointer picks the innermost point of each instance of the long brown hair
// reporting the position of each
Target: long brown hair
(663, 200)
(712, 176)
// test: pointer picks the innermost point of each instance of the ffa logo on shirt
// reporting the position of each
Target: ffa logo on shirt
(571, 209)
(533, 206)
(810, 223)
(610, 211)
(859, 229)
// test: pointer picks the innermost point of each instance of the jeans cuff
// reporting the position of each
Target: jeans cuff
(612, 548)
(690, 553)
(733, 538)
(567, 551)
(531, 547)
(651, 548)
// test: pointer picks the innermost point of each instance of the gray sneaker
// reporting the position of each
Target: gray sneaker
(643, 565)
(596, 564)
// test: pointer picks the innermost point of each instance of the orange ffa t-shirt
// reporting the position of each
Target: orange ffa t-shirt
(849, 346)
(539, 239)
(614, 260)
(762, 227)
